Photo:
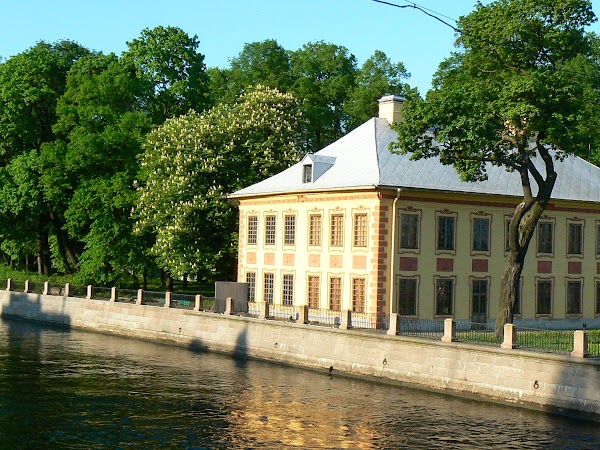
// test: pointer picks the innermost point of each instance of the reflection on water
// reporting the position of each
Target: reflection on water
(72, 389)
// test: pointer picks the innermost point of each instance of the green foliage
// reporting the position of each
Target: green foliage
(168, 58)
(192, 161)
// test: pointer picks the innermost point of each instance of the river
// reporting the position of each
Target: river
(72, 389)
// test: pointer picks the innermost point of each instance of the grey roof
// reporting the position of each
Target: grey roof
(363, 160)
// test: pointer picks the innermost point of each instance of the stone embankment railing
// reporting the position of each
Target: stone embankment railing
(577, 343)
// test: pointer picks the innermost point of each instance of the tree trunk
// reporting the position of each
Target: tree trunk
(169, 287)
(185, 281)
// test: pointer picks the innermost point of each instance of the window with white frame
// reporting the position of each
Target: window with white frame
(544, 297)
(444, 296)
(575, 239)
(337, 230)
(545, 237)
(270, 228)
(335, 293)
(251, 280)
(252, 229)
(481, 234)
(409, 231)
(574, 295)
(315, 229)
(268, 287)
(289, 237)
(360, 230)
(407, 296)
(358, 295)
(445, 232)
(288, 289)
(314, 283)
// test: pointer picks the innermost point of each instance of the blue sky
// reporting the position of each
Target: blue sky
(224, 26)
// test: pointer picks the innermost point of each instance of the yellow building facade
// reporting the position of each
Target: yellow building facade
(357, 228)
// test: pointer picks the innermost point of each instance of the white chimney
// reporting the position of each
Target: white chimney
(390, 108)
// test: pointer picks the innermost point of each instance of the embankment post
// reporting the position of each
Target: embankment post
(449, 330)
(580, 344)
(510, 336)
(393, 329)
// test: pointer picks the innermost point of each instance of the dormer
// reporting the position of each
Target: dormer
(313, 166)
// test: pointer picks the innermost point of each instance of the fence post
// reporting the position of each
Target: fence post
(264, 310)
(394, 322)
(510, 336)
(113, 294)
(140, 297)
(580, 344)
(67, 289)
(26, 290)
(346, 319)
(46, 290)
(449, 330)
(303, 315)
(10, 284)
(168, 299)
(228, 306)
(198, 304)
(90, 291)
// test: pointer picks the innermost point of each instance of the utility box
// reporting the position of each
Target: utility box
(237, 291)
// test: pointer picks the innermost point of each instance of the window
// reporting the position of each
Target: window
(358, 295)
(597, 240)
(507, 235)
(251, 280)
(315, 226)
(544, 297)
(270, 226)
(481, 234)
(337, 230)
(288, 290)
(335, 293)
(307, 173)
(444, 296)
(360, 230)
(445, 234)
(597, 297)
(407, 296)
(289, 237)
(268, 285)
(409, 231)
(545, 231)
(252, 229)
(314, 282)
(575, 239)
(479, 297)
(574, 297)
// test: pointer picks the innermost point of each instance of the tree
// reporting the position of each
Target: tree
(520, 94)
(89, 171)
(190, 162)
(324, 75)
(30, 85)
(168, 57)
(377, 77)
(264, 63)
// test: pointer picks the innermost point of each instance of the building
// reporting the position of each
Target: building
(356, 227)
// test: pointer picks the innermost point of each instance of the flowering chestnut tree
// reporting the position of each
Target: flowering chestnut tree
(192, 161)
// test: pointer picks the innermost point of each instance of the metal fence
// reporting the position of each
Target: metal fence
(152, 298)
(253, 309)
(56, 289)
(78, 291)
(286, 313)
(101, 293)
(552, 341)
(477, 333)
(183, 301)
(212, 304)
(126, 296)
(36, 287)
(594, 342)
(370, 321)
(424, 328)
(18, 286)
(324, 317)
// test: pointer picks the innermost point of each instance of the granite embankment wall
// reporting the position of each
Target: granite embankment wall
(563, 384)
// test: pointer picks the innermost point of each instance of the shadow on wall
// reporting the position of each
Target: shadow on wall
(240, 352)
(29, 307)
